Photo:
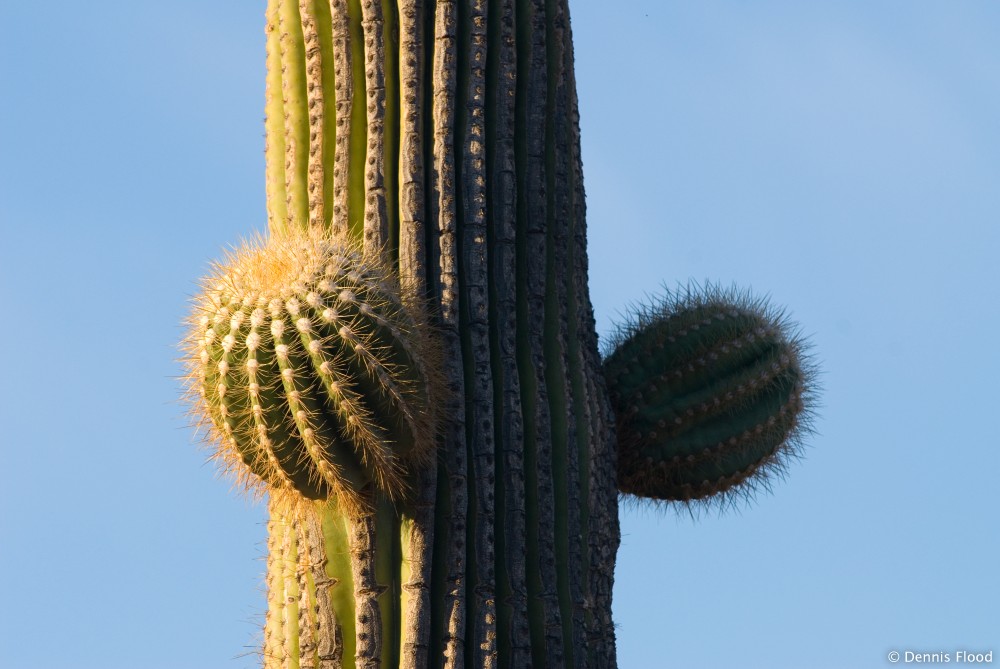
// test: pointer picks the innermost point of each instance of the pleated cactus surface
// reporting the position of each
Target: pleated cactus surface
(711, 391)
(316, 377)
(443, 488)
(442, 137)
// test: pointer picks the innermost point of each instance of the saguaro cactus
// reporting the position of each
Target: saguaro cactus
(442, 137)
(408, 367)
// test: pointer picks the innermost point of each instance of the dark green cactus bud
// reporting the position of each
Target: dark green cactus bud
(711, 391)
(313, 375)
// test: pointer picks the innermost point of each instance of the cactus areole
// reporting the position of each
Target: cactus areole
(407, 367)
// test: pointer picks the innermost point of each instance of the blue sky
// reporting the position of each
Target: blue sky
(842, 157)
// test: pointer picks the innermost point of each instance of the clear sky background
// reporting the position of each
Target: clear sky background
(842, 157)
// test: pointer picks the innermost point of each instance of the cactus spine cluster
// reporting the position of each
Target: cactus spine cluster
(442, 491)
(315, 376)
(709, 389)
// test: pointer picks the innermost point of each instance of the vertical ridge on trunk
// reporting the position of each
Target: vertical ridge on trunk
(514, 639)
(419, 532)
(579, 320)
(418, 541)
(329, 640)
(308, 614)
(557, 312)
(603, 531)
(447, 289)
(315, 109)
(274, 637)
(290, 571)
(376, 224)
(471, 193)
(412, 199)
(367, 590)
(322, 14)
(374, 536)
(531, 280)
(274, 126)
(344, 99)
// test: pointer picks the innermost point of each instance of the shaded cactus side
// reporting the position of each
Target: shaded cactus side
(712, 392)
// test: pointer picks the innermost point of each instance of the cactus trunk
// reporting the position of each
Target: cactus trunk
(444, 136)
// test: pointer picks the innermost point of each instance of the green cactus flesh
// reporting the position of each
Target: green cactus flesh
(709, 390)
(314, 373)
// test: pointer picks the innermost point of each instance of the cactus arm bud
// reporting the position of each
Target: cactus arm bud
(712, 391)
(314, 373)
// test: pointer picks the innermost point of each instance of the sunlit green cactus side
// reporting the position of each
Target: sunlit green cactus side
(711, 390)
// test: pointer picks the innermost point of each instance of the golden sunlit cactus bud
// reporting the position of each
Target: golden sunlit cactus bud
(311, 372)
